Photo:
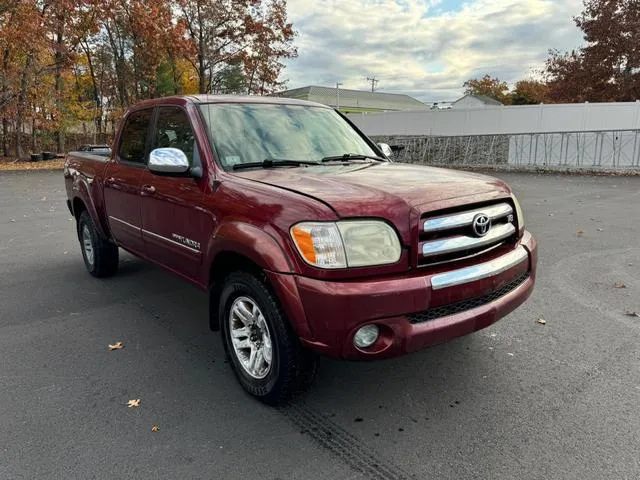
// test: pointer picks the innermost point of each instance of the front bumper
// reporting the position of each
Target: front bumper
(465, 299)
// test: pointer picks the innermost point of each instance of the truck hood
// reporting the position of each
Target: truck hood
(380, 189)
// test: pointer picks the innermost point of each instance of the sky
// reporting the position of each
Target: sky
(425, 48)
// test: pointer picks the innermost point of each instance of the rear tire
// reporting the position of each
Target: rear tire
(264, 352)
(100, 256)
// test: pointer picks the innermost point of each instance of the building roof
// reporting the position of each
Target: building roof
(355, 99)
(483, 98)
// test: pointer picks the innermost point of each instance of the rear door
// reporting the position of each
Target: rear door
(123, 177)
(175, 225)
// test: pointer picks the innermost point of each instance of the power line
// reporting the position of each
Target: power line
(374, 81)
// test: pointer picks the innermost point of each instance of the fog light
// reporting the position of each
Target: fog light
(366, 336)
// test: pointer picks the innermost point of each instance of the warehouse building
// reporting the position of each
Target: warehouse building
(355, 101)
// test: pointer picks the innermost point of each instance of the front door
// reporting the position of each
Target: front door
(175, 226)
(122, 180)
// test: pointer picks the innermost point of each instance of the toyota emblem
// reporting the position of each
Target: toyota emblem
(481, 225)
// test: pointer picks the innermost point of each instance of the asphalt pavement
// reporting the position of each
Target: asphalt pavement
(519, 400)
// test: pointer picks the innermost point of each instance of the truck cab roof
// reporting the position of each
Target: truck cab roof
(204, 99)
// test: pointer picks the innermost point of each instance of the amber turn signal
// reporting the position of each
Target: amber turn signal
(304, 242)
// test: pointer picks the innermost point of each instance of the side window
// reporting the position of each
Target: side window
(174, 130)
(133, 141)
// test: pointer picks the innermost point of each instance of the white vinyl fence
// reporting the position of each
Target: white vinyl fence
(604, 135)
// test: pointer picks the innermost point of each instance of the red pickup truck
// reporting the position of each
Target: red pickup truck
(308, 237)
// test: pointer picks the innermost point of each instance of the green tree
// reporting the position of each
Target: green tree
(231, 80)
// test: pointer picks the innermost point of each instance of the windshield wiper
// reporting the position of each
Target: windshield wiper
(272, 162)
(353, 156)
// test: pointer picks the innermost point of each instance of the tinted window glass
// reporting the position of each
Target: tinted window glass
(245, 133)
(134, 137)
(174, 130)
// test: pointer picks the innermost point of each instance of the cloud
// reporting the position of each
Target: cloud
(425, 48)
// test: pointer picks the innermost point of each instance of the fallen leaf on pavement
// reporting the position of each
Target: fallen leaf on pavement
(620, 285)
(632, 314)
(580, 232)
(115, 346)
(133, 403)
(155, 428)
(542, 321)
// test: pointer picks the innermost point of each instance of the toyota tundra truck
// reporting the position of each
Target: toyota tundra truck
(309, 239)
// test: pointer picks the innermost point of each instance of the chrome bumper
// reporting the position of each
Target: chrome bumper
(478, 272)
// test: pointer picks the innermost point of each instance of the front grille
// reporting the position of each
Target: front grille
(465, 305)
(451, 236)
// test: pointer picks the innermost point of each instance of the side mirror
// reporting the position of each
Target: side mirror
(386, 149)
(168, 161)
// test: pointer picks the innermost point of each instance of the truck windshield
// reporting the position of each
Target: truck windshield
(251, 132)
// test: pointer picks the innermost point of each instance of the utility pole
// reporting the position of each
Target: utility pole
(374, 81)
(338, 85)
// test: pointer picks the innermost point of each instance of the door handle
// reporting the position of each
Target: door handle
(110, 181)
(149, 189)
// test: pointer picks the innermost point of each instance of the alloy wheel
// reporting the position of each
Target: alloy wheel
(87, 245)
(250, 337)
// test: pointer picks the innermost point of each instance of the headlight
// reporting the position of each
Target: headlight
(519, 214)
(349, 243)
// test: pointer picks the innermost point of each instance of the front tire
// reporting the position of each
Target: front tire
(265, 353)
(100, 256)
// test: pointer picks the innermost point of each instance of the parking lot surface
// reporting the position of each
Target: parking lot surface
(519, 400)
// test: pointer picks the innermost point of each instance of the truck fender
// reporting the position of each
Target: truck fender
(82, 190)
(251, 242)
(264, 251)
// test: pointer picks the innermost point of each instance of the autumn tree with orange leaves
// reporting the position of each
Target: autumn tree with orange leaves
(607, 68)
(489, 87)
(72, 66)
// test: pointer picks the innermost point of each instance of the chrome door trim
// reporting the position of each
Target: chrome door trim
(138, 229)
(168, 240)
(481, 271)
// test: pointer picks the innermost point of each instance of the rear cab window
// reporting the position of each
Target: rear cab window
(134, 136)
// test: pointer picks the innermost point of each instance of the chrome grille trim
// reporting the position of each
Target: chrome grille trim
(465, 219)
(462, 242)
(466, 257)
(481, 271)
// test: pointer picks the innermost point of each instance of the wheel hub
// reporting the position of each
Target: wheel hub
(250, 337)
(256, 334)
(87, 244)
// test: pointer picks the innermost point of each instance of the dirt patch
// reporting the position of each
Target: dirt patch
(12, 164)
